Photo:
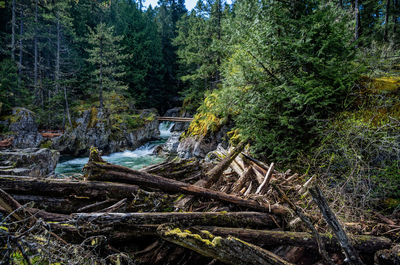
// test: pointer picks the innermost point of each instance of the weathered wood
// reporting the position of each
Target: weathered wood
(54, 204)
(216, 172)
(266, 238)
(229, 250)
(10, 205)
(66, 188)
(307, 221)
(227, 219)
(177, 169)
(266, 180)
(95, 206)
(114, 207)
(244, 177)
(100, 170)
(330, 218)
(175, 119)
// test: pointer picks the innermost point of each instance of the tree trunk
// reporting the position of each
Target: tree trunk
(184, 219)
(357, 18)
(101, 75)
(97, 169)
(35, 44)
(13, 31)
(21, 32)
(385, 34)
(57, 70)
(67, 106)
(228, 250)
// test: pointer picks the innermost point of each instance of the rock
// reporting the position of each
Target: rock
(177, 112)
(24, 129)
(199, 146)
(34, 162)
(171, 146)
(98, 129)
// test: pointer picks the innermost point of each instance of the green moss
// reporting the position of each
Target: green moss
(93, 117)
(46, 144)
(203, 124)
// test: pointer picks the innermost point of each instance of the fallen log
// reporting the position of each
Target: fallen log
(229, 250)
(244, 177)
(266, 180)
(214, 174)
(307, 221)
(54, 204)
(95, 206)
(330, 218)
(177, 169)
(66, 188)
(266, 238)
(98, 169)
(227, 219)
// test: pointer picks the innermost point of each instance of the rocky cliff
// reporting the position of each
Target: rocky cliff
(107, 131)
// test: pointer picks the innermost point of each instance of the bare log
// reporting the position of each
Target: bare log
(227, 219)
(330, 218)
(307, 221)
(214, 174)
(100, 170)
(114, 207)
(95, 206)
(266, 180)
(229, 250)
(238, 185)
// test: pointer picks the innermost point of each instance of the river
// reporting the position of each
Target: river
(136, 159)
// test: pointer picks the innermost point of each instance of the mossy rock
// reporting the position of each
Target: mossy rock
(203, 124)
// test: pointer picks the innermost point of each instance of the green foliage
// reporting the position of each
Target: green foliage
(360, 151)
(11, 93)
(200, 49)
(105, 54)
(289, 68)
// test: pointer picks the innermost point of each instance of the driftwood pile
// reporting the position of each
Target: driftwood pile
(236, 211)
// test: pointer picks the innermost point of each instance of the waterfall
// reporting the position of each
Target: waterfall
(135, 159)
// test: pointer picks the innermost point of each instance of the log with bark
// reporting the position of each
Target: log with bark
(227, 219)
(98, 169)
(229, 250)
(266, 238)
(69, 196)
(66, 188)
(351, 254)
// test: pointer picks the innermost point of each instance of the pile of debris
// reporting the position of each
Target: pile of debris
(236, 211)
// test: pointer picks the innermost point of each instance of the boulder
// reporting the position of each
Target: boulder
(35, 162)
(24, 129)
(171, 145)
(200, 145)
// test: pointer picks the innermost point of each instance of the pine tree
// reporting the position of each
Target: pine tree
(105, 54)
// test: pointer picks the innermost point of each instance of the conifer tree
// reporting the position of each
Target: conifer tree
(105, 54)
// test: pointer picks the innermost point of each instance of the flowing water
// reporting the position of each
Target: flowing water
(136, 159)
